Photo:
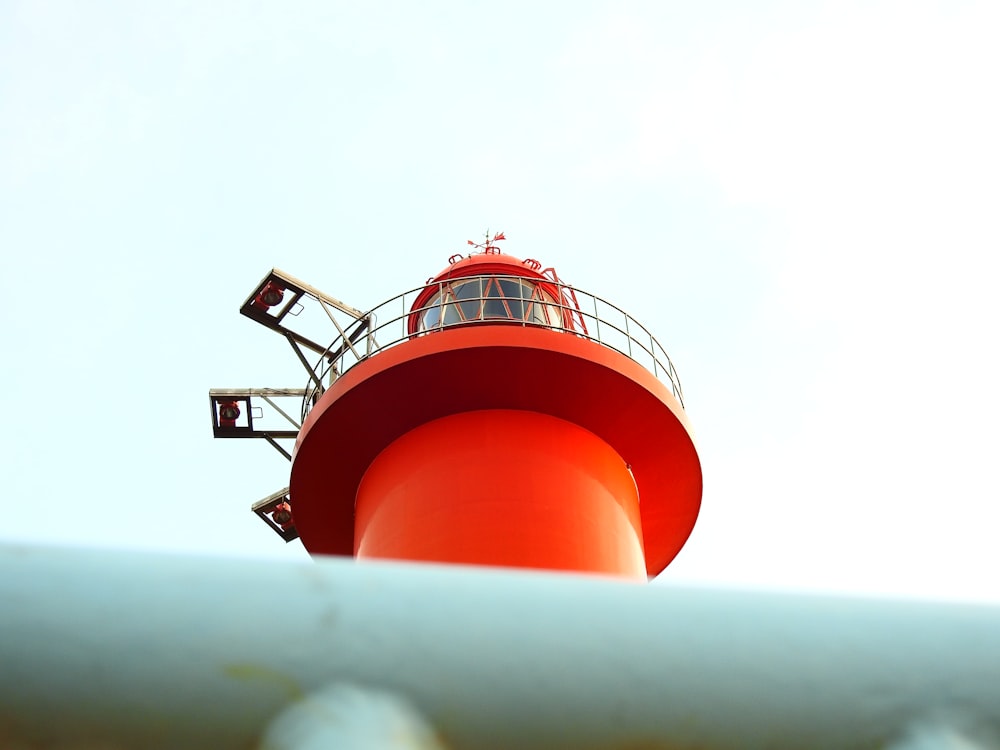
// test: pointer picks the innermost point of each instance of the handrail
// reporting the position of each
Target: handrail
(607, 324)
(124, 649)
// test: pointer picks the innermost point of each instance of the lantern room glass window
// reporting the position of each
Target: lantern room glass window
(490, 298)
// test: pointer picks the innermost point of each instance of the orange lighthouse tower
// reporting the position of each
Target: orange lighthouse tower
(494, 416)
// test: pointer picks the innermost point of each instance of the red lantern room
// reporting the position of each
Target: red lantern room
(504, 418)
(490, 286)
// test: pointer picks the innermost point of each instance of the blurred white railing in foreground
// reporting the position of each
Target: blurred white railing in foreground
(126, 650)
(491, 300)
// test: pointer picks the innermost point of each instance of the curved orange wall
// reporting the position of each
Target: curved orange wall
(502, 487)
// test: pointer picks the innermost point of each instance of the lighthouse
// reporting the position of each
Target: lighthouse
(492, 416)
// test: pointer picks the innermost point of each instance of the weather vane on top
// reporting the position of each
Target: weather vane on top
(488, 246)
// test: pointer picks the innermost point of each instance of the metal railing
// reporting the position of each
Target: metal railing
(116, 649)
(580, 313)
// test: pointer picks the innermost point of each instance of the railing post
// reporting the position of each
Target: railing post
(628, 337)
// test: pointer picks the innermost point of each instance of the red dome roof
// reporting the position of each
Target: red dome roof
(489, 262)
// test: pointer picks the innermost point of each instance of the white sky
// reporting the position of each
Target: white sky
(798, 199)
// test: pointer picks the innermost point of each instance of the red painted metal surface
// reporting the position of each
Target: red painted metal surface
(502, 487)
(468, 369)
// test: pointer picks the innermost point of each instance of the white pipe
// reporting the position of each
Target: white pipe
(151, 651)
